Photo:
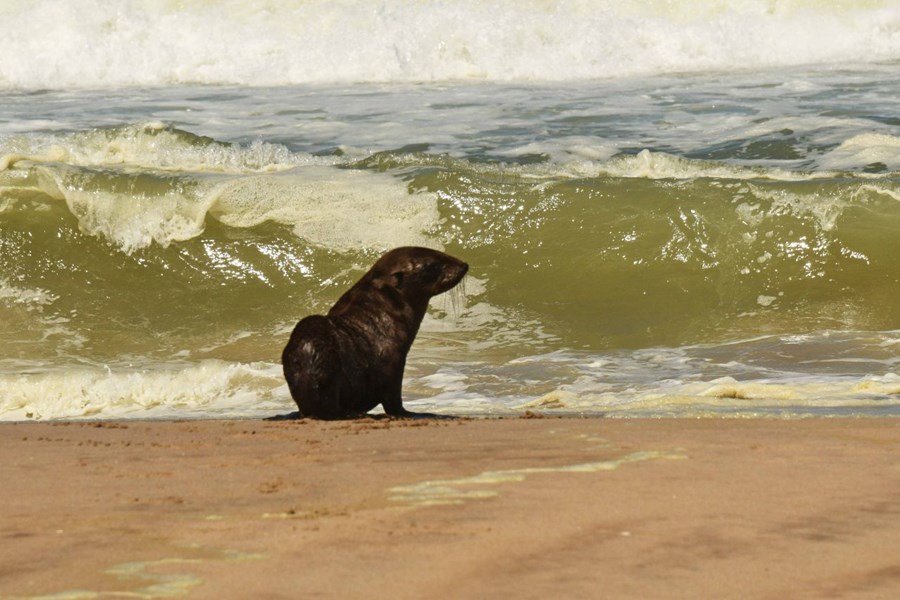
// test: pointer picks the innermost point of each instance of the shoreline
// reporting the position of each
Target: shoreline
(474, 507)
(523, 414)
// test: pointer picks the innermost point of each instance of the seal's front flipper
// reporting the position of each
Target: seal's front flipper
(405, 414)
(285, 417)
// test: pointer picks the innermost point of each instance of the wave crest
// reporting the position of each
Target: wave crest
(265, 42)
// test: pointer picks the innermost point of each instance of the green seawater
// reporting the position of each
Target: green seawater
(712, 247)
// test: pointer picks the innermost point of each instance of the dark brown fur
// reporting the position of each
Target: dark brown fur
(348, 362)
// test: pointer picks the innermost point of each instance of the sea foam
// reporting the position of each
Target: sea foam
(200, 389)
(146, 184)
(61, 44)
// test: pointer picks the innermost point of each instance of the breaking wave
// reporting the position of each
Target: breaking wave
(59, 44)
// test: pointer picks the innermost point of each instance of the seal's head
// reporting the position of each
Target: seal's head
(418, 273)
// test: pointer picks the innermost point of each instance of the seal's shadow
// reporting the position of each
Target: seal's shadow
(296, 416)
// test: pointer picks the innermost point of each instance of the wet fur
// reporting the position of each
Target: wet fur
(349, 361)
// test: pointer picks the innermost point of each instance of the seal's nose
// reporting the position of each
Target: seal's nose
(463, 269)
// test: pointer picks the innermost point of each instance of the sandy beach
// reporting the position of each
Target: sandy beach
(517, 508)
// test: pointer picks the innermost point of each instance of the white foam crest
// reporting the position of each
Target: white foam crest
(131, 221)
(660, 165)
(881, 191)
(339, 209)
(648, 164)
(865, 149)
(568, 149)
(209, 389)
(154, 146)
(601, 159)
(63, 44)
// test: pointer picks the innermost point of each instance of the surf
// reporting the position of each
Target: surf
(268, 43)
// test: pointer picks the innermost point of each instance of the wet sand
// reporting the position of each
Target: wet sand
(511, 508)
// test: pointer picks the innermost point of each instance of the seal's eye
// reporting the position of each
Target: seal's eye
(398, 278)
(432, 270)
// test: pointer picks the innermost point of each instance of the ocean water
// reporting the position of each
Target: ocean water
(678, 209)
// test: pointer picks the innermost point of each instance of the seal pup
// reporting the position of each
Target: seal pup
(349, 361)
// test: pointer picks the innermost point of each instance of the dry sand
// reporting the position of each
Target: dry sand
(512, 508)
